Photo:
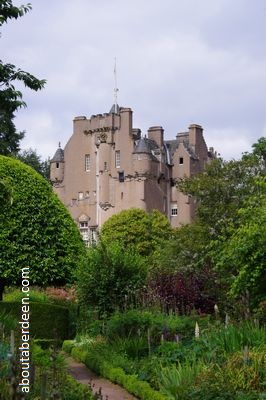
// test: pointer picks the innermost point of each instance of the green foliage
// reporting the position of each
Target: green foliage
(8, 320)
(36, 230)
(231, 207)
(47, 321)
(109, 277)
(134, 228)
(101, 362)
(136, 322)
(177, 381)
(33, 159)
(216, 344)
(13, 294)
(243, 257)
(9, 11)
(51, 364)
(236, 379)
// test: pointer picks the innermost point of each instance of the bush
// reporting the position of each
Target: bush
(36, 230)
(237, 379)
(109, 278)
(136, 322)
(47, 321)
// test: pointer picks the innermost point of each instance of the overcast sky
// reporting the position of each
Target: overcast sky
(178, 62)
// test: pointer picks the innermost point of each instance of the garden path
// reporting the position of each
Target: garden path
(110, 391)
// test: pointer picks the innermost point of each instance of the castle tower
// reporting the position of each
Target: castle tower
(57, 166)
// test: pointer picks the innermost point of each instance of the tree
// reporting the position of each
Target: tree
(222, 189)
(110, 277)
(137, 229)
(11, 98)
(231, 205)
(33, 159)
(241, 259)
(35, 229)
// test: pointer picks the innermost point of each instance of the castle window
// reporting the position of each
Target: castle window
(105, 166)
(87, 194)
(93, 236)
(181, 160)
(117, 159)
(57, 165)
(81, 196)
(174, 211)
(84, 231)
(121, 176)
(87, 162)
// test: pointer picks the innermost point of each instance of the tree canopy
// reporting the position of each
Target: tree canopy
(33, 159)
(35, 228)
(10, 98)
(231, 199)
(137, 229)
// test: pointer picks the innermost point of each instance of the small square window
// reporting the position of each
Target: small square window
(81, 196)
(181, 160)
(174, 211)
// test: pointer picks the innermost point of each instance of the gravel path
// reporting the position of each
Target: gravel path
(110, 391)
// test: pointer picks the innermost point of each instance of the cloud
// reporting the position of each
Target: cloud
(177, 62)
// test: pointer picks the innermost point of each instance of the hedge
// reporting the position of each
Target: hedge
(117, 375)
(47, 321)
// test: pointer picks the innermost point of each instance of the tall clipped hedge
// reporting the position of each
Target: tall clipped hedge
(35, 229)
(47, 321)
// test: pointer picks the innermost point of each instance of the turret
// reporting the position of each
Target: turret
(57, 166)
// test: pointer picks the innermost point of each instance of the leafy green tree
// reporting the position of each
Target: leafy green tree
(231, 206)
(241, 259)
(11, 98)
(137, 229)
(222, 189)
(35, 229)
(110, 277)
(33, 159)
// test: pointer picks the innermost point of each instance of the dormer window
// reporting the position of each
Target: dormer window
(181, 160)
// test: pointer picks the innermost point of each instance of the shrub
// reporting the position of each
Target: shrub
(184, 291)
(36, 230)
(238, 378)
(136, 322)
(109, 277)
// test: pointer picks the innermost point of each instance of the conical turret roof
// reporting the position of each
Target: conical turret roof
(59, 155)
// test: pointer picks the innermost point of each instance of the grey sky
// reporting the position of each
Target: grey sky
(178, 62)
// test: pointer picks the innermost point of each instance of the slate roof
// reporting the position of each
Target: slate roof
(59, 155)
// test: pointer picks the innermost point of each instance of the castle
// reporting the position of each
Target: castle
(107, 166)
